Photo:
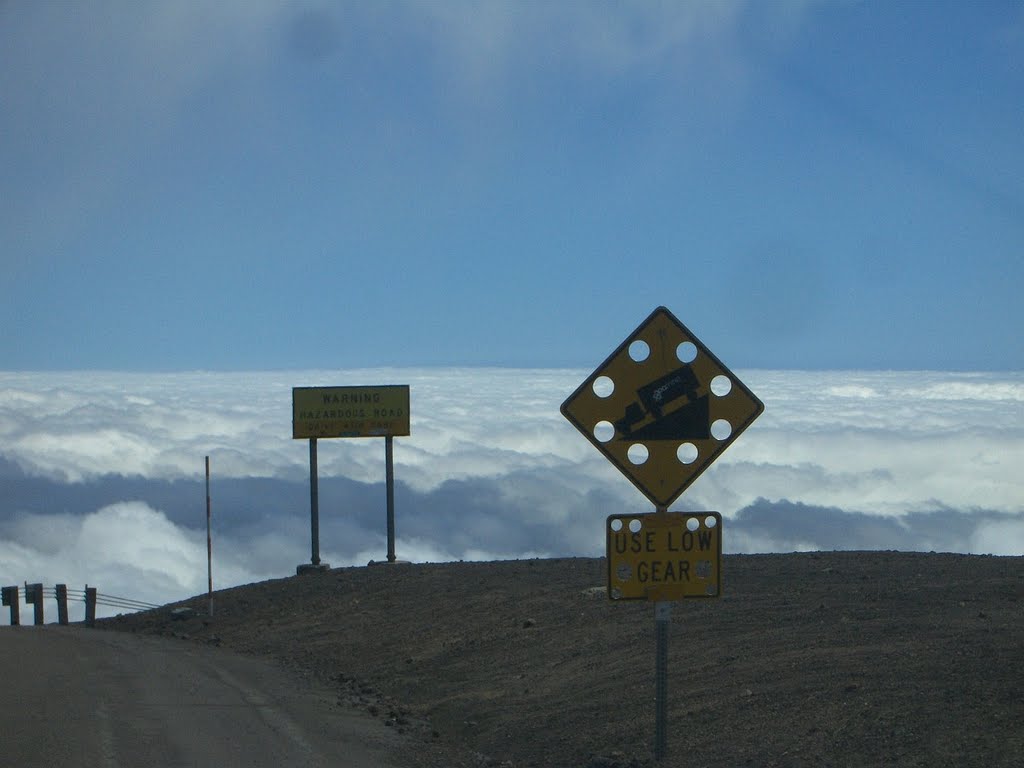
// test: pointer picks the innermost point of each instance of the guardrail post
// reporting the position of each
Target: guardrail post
(61, 591)
(90, 606)
(34, 596)
(13, 599)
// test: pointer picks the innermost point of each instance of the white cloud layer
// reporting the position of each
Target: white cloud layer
(881, 443)
(909, 460)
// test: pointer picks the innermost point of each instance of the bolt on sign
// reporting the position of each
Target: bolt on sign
(662, 407)
(379, 411)
(664, 556)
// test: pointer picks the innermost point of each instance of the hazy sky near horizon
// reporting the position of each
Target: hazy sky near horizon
(101, 474)
(266, 185)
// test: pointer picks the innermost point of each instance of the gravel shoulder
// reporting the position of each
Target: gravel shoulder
(807, 659)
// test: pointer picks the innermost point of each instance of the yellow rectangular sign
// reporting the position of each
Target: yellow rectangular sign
(664, 556)
(350, 411)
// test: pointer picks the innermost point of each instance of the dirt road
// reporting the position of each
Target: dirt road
(88, 699)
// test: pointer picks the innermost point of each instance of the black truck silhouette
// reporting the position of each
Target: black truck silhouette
(688, 421)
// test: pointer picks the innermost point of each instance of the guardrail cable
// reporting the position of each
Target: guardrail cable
(124, 602)
(35, 593)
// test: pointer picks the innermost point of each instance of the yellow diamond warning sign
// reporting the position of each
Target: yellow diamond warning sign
(664, 556)
(662, 407)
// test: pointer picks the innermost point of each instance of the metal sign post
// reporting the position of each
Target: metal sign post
(389, 473)
(662, 617)
(662, 408)
(209, 539)
(314, 516)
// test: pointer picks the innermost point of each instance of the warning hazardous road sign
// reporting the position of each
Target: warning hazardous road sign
(662, 407)
(350, 411)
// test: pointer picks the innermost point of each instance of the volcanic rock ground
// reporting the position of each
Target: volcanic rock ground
(808, 659)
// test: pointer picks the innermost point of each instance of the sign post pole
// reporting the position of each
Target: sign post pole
(209, 540)
(314, 505)
(662, 617)
(389, 461)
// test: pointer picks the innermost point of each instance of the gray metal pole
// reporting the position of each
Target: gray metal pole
(390, 481)
(662, 617)
(209, 540)
(314, 503)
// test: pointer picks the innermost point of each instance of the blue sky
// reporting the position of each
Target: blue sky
(265, 185)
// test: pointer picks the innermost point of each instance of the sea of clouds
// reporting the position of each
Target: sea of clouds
(102, 475)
